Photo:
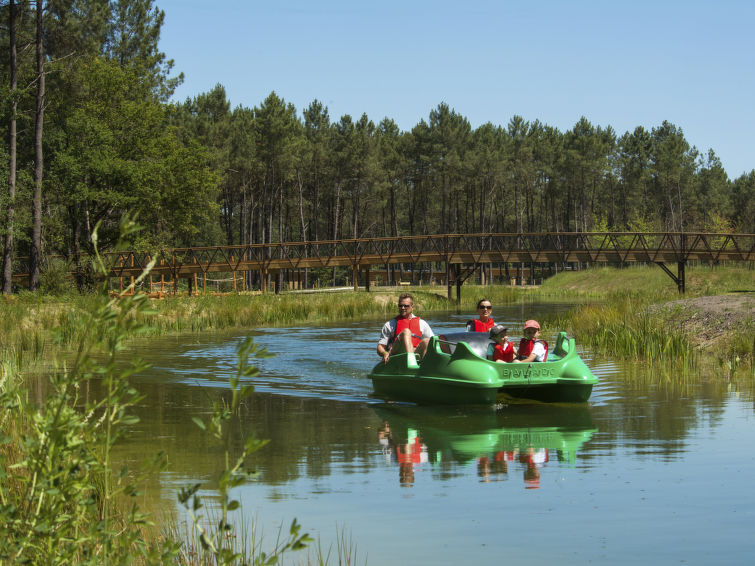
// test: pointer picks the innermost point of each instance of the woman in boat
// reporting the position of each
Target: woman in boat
(406, 332)
(485, 322)
(532, 348)
(504, 350)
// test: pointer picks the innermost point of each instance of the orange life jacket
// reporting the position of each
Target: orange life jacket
(477, 325)
(413, 325)
(525, 348)
(506, 354)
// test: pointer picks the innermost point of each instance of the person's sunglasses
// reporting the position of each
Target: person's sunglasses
(486, 307)
(404, 306)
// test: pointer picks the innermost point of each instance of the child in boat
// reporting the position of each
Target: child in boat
(504, 350)
(532, 348)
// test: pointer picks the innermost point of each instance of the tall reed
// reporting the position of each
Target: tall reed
(621, 329)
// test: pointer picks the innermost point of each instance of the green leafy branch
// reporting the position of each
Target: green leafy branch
(217, 541)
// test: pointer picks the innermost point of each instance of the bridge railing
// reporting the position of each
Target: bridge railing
(465, 249)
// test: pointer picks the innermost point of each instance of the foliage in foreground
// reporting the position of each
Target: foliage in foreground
(62, 500)
(217, 543)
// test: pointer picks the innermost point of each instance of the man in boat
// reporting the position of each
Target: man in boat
(405, 333)
(532, 348)
(485, 322)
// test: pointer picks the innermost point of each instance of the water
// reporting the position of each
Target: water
(654, 473)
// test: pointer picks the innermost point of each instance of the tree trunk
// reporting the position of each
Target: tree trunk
(355, 226)
(76, 239)
(335, 222)
(394, 218)
(8, 253)
(281, 237)
(303, 225)
(36, 235)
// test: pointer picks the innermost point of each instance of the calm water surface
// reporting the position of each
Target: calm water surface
(661, 474)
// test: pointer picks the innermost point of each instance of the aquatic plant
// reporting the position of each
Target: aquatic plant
(217, 540)
(623, 328)
(61, 499)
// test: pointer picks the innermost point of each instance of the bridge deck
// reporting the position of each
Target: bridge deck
(596, 247)
(464, 251)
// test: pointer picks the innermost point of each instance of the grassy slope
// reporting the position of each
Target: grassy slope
(651, 281)
(639, 313)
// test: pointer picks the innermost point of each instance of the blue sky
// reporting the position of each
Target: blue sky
(620, 64)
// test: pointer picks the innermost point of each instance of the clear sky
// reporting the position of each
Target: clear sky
(622, 63)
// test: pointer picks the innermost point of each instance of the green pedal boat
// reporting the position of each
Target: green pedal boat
(457, 369)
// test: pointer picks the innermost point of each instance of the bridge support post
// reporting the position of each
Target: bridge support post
(367, 278)
(448, 280)
(355, 277)
(678, 278)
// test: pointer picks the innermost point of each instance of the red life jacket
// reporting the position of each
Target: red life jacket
(477, 325)
(503, 353)
(413, 325)
(525, 348)
(410, 453)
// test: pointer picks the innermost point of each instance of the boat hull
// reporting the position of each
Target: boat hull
(463, 376)
(547, 393)
(433, 390)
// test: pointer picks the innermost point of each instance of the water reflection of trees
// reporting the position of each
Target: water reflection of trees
(309, 436)
(654, 411)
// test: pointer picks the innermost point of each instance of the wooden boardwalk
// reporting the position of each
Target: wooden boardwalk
(459, 255)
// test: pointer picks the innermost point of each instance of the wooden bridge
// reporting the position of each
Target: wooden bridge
(459, 255)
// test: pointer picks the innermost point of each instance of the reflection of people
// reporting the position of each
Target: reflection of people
(531, 348)
(486, 468)
(534, 458)
(385, 436)
(485, 322)
(406, 332)
(500, 465)
(504, 350)
(406, 474)
(409, 454)
(531, 477)
(483, 468)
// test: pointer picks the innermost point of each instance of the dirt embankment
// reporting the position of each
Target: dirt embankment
(708, 320)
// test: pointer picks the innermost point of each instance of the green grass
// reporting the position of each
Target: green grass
(35, 328)
(649, 281)
(617, 319)
(619, 329)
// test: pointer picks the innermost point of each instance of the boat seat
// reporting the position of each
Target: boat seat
(562, 345)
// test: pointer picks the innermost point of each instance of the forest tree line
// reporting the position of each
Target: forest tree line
(91, 133)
